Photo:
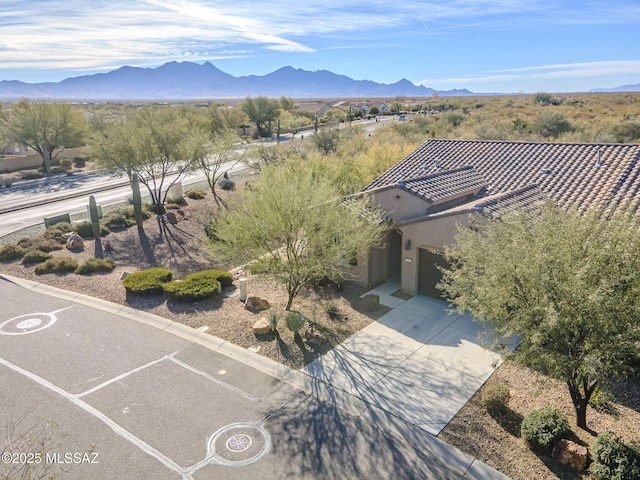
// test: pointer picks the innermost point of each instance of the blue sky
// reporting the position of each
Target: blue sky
(484, 46)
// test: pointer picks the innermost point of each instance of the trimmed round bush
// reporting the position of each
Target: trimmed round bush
(95, 265)
(10, 252)
(57, 265)
(147, 282)
(543, 428)
(225, 278)
(35, 256)
(495, 397)
(194, 287)
(614, 459)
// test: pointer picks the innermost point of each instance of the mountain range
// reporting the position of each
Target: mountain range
(187, 80)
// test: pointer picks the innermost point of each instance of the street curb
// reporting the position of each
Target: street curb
(475, 469)
(265, 365)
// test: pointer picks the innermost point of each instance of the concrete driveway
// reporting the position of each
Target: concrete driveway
(418, 362)
(117, 393)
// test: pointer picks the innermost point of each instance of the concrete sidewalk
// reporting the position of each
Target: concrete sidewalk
(417, 362)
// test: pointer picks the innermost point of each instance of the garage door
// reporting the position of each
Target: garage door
(428, 273)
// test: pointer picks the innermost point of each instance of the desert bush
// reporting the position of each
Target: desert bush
(85, 230)
(495, 397)
(195, 194)
(295, 321)
(65, 164)
(147, 282)
(195, 286)
(332, 310)
(225, 278)
(57, 265)
(79, 162)
(117, 218)
(57, 232)
(226, 184)
(210, 230)
(10, 252)
(543, 428)
(175, 202)
(31, 175)
(35, 256)
(614, 459)
(273, 320)
(94, 265)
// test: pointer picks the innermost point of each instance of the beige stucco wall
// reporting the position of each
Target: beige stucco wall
(399, 204)
(433, 234)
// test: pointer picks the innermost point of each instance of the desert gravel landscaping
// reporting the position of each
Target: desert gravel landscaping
(183, 248)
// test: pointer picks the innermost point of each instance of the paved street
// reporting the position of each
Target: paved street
(155, 399)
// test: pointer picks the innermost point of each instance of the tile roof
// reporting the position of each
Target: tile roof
(575, 175)
(444, 185)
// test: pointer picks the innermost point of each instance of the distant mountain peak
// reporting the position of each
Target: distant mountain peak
(189, 80)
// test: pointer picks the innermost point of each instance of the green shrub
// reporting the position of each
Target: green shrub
(543, 428)
(225, 278)
(85, 230)
(31, 175)
(273, 320)
(35, 256)
(10, 252)
(117, 217)
(195, 194)
(57, 265)
(94, 265)
(65, 164)
(195, 286)
(57, 232)
(295, 321)
(495, 397)
(615, 460)
(175, 202)
(147, 282)
(210, 230)
(332, 310)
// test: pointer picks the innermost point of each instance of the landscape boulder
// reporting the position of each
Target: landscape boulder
(75, 242)
(571, 454)
(256, 304)
(261, 326)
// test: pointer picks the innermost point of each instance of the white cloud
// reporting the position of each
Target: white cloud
(546, 72)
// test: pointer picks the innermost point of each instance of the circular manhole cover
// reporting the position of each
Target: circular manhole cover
(29, 323)
(239, 444)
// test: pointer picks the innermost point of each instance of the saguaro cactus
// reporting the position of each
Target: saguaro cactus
(137, 200)
(95, 218)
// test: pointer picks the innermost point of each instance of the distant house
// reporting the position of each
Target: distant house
(446, 183)
(317, 109)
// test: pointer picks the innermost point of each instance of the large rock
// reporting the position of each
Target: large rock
(572, 454)
(75, 242)
(261, 326)
(256, 304)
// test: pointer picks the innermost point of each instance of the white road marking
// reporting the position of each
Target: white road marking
(142, 445)
(124, 375)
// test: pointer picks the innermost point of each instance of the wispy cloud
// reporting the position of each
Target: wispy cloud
(545, 72)
(76, 34)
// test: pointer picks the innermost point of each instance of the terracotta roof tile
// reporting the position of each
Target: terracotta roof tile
(576, 175)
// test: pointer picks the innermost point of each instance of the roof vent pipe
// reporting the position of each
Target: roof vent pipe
(599, 161)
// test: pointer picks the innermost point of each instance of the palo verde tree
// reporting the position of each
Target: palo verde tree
(157, 145)
(295, 228)
(262, 112)
(566, 284)
(47, 128)
(214, 159)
